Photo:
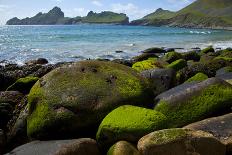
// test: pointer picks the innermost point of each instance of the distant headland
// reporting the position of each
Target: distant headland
(212, 14)
(56, 17)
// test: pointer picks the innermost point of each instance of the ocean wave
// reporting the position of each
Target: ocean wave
(200, 32)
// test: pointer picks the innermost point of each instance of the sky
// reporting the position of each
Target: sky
(135, 9)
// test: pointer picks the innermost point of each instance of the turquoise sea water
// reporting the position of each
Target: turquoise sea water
(71, 43)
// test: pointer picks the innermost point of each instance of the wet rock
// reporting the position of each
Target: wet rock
(39, 61)
(74, 98)
(181, 142)
(154, 50)
(220, 127)
(191, 102)
(119, 52)
(84, 146)
(123, 148)
(160, 79)
(123, 62)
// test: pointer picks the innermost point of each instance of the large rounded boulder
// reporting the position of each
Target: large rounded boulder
(73, 99)
(180, 142)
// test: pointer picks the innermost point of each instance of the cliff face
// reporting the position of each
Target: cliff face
(56, 16)
(199, 14)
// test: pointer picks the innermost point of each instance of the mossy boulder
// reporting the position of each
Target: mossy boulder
(150, 63)
(207, 50)
(72, 100)
(23, 84)
(129, 123)
(220, 127)
(191, 102)
(178, 64)
(227, 59)
(123, 148)
(192, 55)
(172, 56)
(144, 56)
(208, 57)
(198, 77)
(180, 142)
(209, 69)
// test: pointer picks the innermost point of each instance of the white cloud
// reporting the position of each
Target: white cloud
(59, 1)
(133, 11)
(97, 3)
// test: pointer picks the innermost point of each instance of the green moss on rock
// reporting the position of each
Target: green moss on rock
(178, 64)
(129, 123)
(212, 99)
(198, 77)
(23, 84)
(123, 148)
(228, 69)
(192, 55)
(145, 65)
(172, 56)
(207, 50)
(228, 59)
(76, 97)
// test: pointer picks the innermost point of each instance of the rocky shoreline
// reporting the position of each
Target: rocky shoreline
(160, 102)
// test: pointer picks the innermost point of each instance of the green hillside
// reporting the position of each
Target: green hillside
(56, 17)
(199, 14)
(105, 17)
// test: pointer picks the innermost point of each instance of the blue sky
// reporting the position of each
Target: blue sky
(133, 8)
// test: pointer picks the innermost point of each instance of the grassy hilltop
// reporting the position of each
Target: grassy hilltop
(199, 14)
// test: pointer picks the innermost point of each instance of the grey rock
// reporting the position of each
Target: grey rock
(220, 127)
(224, 73)
(84, 146)
(161, 79)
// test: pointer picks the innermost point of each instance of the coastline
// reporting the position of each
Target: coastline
(153, 80)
